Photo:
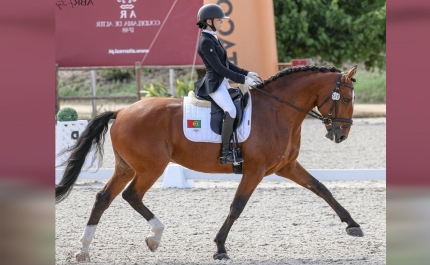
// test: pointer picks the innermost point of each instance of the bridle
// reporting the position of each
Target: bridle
(328, 121)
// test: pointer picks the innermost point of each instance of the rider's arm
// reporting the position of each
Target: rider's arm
(209, 52)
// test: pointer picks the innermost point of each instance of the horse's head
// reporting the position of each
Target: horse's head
(337, 107)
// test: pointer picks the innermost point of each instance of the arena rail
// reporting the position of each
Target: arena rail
(176, 176)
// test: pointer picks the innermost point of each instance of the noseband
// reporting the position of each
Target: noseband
(328, 121)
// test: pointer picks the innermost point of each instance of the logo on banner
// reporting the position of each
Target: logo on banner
(127, 13)
(127, 5)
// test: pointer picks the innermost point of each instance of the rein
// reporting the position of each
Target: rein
(328, 121)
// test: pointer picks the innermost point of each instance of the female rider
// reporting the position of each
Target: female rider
(218, 70)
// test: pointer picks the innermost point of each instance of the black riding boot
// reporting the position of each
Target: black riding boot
(227, 156)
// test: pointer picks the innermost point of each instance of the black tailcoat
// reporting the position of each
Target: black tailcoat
(214, 56)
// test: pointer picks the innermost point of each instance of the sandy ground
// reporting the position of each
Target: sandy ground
(281, 224)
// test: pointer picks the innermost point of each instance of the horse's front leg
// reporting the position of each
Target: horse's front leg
(298, 174)
(246, 187)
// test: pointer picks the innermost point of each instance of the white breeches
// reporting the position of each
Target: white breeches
(223, 99)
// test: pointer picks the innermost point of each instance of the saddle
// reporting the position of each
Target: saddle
(240, 98)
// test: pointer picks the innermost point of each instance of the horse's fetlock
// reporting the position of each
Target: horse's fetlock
(158, 229)
(219, 241)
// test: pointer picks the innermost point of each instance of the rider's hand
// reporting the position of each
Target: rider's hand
(254, 76)
(249, 81)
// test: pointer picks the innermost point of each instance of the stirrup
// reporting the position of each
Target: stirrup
(230, 158)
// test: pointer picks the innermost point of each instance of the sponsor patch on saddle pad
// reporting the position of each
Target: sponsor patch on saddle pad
(197, 126)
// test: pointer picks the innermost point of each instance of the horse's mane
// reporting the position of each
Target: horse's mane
(295, 70)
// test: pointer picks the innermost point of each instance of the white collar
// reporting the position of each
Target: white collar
(213, 33)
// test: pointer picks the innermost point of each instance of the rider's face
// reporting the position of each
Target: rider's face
(217, 23)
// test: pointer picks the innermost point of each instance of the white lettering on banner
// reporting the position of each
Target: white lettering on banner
(127, 5)
(141, 23)
(128, 24)
(130, 29)
(104, 24)
(127, 51)
(127, 12)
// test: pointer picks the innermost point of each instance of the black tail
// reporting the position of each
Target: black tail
(92, 137)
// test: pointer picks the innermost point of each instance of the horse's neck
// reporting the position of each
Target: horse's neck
(300, 91)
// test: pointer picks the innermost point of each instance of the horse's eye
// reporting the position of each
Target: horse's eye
(346, 100)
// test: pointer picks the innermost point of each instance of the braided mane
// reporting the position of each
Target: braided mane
(295, 70)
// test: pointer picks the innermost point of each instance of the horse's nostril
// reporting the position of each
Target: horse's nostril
(342, 137)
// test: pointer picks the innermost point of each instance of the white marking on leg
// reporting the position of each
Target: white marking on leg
(153, 240)
(157, 229)
(87, 237)
(83, 255)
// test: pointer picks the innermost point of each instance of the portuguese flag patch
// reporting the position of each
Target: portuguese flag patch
(194, 124)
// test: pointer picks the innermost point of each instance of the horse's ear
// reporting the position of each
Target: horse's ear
(352, 71)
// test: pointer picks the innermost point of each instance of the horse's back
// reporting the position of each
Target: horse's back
(150, 119)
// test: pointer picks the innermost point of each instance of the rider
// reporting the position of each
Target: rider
(218, 70)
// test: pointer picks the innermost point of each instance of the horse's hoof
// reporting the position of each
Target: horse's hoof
(354, 231)
(82, 256)
(221, 256)
(152, 245)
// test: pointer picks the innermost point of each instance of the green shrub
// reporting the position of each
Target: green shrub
(118, 75)
(67, 114)
(182, 89)
(370, 87)
(156, 90)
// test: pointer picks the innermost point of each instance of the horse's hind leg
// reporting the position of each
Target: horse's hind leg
(122, 175)
(134, 193)
(299, 175)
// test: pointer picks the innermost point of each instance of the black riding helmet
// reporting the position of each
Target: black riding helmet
(209, 11)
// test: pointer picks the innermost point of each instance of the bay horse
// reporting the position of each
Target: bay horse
(148, 134)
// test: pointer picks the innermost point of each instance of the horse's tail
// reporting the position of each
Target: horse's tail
(92, 137)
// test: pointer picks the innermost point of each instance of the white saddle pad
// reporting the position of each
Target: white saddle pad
(197, 126)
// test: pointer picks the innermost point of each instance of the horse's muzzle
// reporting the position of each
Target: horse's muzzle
(336, 135)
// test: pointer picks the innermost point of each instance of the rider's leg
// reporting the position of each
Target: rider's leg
(227, 156)
(223, 99)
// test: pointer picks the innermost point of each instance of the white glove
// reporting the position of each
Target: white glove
(254, 76)
(249, 81)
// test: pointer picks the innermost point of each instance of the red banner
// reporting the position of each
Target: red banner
(123, 32)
